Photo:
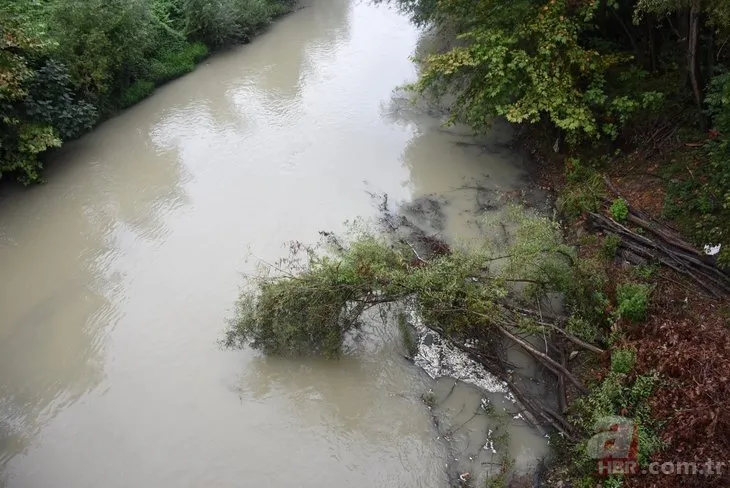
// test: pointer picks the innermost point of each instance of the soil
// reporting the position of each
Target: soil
(686, 338)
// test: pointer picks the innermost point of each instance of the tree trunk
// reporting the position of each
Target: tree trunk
(653, 44)
(693, 42)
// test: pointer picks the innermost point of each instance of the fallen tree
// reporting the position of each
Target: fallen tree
(644, 240)
(483, 298)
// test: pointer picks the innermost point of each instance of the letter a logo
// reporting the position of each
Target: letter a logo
(615, 439)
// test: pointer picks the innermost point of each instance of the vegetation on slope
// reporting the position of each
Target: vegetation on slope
(599, 76)
(638, 90)
(67, 64)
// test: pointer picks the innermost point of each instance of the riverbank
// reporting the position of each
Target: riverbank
(677, 349)
(70, 65)
(633, 127)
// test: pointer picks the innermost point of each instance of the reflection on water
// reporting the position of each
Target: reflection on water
(61, 289)
(119, 274)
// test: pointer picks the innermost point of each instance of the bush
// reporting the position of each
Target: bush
(619, 210)
(581, 196)
(173, 64)
(106, 45)
(623, 360)
(66, 63)
(52, 101)
(615, 395)
(633, 301)
(646, 271)
(610, 246)
(228, 21)
(22, 139)
(714, 223)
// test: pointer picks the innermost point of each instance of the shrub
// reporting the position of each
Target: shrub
(619, 210)
(52, 101)
(175, 63)
(228, 21)
(623, 360)
(616, 396)
(584, 297)
(583, 195)
(633, 301)
(22, 139)
(646, 271)
(714, 224)
(610, 245)
(106, 45)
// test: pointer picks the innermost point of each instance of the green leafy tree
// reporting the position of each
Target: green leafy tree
(528, 61)
(105, 44)
(227, 21)
(51, 100)
(21, 140)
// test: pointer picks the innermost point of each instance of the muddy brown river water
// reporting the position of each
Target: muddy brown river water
(118, 274)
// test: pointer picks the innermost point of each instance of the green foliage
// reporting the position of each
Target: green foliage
(708, 202)
(28, 141)
(616, 395)
(646, 271)
(421, 12)
(51, 100)
(588, 330)
(116, 37)
(175, 63)
(594, 72)
(139, 90)
(528, 62)
(585, 298)
(610, 246)
(226, 21)
(633, 301)
(579, 197)
(623, 360)
(319, 294)
(64, 64)
(619, 210)
(21, 139)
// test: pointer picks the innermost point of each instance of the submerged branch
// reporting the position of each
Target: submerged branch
(542, 357)
(542, 316)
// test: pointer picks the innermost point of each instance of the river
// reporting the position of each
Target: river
(119, 274)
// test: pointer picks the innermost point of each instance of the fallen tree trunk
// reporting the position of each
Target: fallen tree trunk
(666, 246)
(679, 257)
(535, 412)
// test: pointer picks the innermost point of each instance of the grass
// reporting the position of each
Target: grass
(175, 63)
(610, 245)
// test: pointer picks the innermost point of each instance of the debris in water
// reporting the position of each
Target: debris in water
(439, 358)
